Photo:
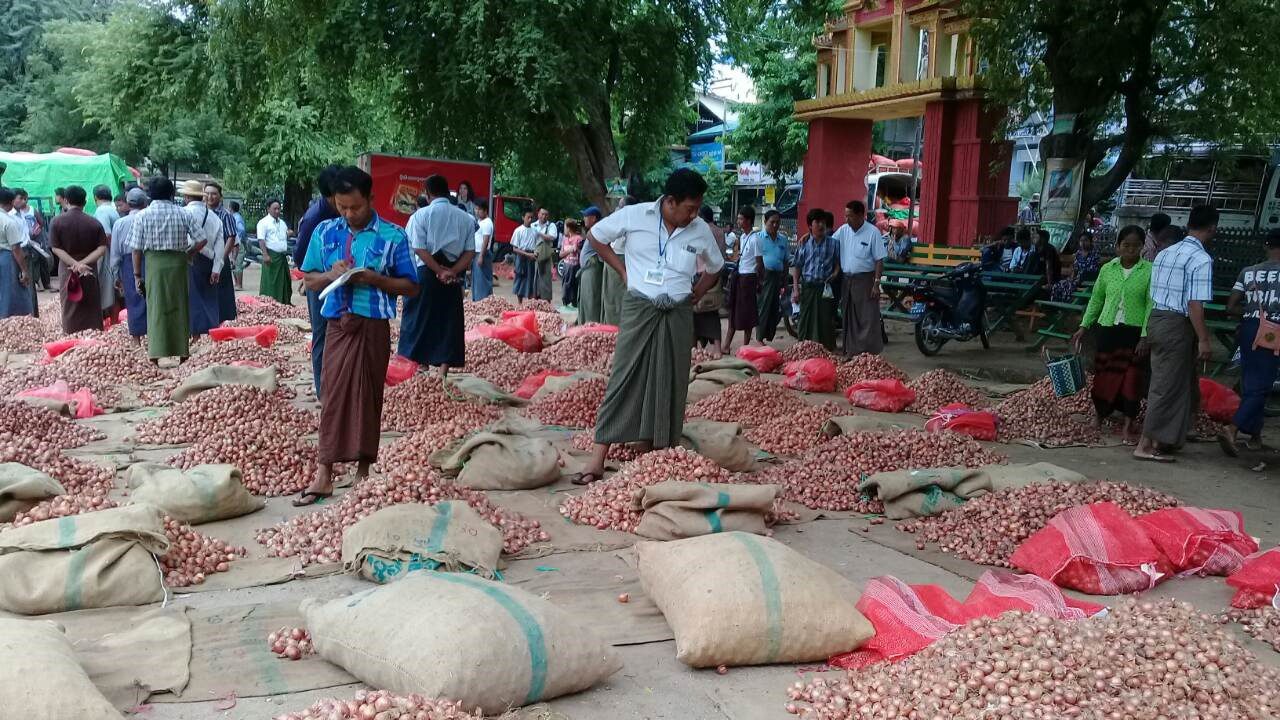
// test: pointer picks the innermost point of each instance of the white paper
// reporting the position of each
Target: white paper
(342, 280)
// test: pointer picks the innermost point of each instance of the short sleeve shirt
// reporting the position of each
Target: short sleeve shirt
(1181, 273)
(442, 227)
(860, 249)
(773, 250)
(658, 263)
(1261, 287)
(13, 231)
(107, 217)
(483, 230)
(748, 253)
(381, 247)
(77, 234)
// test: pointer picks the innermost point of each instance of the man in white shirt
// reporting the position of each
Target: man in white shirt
(482, 263)
(443, 240)
(524, 244)
(862, 254)
(206, 265)
(644, 402)
(742, 309)
(549, 234)
(275, 281)
(15, 284)
(106, 214)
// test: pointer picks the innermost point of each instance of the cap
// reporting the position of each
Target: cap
(593, 210)
(136, 198)
(191, 188)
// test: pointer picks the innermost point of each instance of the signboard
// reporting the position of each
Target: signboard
(1060, 197)
(750, 173)
(701, 153)
(770, 194)
(616, 187)
(399, 180)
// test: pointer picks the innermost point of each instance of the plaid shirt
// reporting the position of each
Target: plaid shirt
(817, 260)
(381, 246)
(163, 226)
(1181, 273)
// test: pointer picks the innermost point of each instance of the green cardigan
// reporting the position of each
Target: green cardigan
(1112, 288)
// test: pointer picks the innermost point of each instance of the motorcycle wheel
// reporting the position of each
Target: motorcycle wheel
(929, 344)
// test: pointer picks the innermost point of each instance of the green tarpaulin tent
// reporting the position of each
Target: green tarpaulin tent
(40, 173)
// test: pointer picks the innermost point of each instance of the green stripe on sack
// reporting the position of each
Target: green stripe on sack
(713, 515)
(533, 636)
(66, 531)
(772, 594)
(73, 592)
(435, 540)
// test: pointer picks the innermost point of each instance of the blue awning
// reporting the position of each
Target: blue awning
(712, 132)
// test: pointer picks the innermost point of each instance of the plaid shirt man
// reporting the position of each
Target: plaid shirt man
(817, 259)
(381, 247)
(1181, 273)
(163, 226)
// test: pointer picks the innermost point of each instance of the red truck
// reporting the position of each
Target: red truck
(398, 181)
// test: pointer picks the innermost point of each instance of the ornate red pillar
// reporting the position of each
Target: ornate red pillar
(835, 166)
(965, 188)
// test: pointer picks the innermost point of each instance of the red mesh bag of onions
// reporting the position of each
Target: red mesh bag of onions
(264, 335)
(1257, 582)
(812, 375)
(763, 358)
(881, 395)
(399, 369)
(1195, 540)
(1097, 549)
(1218, 401)
(527, 319)
(514, 335)
(532, 384)
(976, 424)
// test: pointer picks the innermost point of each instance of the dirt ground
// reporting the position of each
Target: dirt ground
(652, 683)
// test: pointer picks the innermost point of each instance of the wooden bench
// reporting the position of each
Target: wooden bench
(942, 256)
(1007, 293)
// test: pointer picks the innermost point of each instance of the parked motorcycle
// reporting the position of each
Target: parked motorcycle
(950, 307)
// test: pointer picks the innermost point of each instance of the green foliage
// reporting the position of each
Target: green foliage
(719, 184)
(1031, 183)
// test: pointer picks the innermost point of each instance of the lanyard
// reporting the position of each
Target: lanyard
(351, 238)
(662, 247)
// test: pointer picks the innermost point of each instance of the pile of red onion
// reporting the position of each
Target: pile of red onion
(943, 387)
(383, 705)
(25, 334)
(63, 506)
(988, 528)
(268, 308)
(1262, 624)
(804, 350)
(285, 334)
(76, 476)
(252, 412)
(291, 643)
(794, 433)
(703, 354)
(422, 400)
(866, 367)
(413, 451)
(574, 406)
(316, 537)
(492, 306)
(193, 556)
(751, 403)
(1143, 660)
(483, 352)
(111, 363)
(243, 351)
(1039, 415)
(537, 305)
(508, 374)
(551, 323)
(20, 418)
(618, 452)
(591, 351)
(271, 464)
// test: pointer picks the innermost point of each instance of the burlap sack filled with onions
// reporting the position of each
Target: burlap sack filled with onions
(500, 461)
(201, 494)
(721, 443)
(22, 487)
(675, 510)
(41, 679)
(397, 540)
(488, 645)
(740, 599)
(219, 375)
(918, 493)
(99, 559)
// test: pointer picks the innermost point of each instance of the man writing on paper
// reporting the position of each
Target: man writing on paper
(644, 403)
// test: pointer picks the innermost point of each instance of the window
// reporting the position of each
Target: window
(882, 64)
(824, 79)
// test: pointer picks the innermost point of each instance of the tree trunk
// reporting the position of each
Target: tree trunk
(297, 196)
(594, 160)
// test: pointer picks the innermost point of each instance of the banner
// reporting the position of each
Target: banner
(398, 181)
(1060, 198)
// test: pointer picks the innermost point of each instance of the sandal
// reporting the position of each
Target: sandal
(311, 497)
(1228, 445)
(1153, 457)
(586, 478)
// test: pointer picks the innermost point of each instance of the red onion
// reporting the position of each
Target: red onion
(291, 643)
(804, 350)
(574, 406)
(383, 705)
(751, 403)
(866, 367)
(793, 433)
(253, 412)
(20, 418)
(943, 387)
(193, 556)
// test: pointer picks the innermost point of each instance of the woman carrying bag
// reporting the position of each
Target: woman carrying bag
(1118, 309)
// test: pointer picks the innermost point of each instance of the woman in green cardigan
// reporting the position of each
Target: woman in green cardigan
(1119, 306)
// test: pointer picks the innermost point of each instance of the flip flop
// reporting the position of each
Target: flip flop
(581, 478)
(1154, 458)
(1228, 446)
(310, 498)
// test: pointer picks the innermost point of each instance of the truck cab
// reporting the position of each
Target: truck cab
(1245, 189)
(507, 212)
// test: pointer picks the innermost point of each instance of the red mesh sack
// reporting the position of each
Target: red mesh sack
(264, 335)
(81, 401)
(1257, 582)
(527, 319)
(1097, 549)
(762, 357)
(812, 375)
(1195, 540)
(530, 385)
(514, 335)
(882, 395)
(1218, 400)
(400, 369)
(1001, 591)
(977, 424)
(591, 329)
(57, 347)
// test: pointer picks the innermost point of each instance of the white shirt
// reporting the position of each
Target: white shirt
(642, 227)
(13, 231)
(275, 233)
(484, 230)
(441, 227)
(860, 249)
(1019, 256)
(210, 232)
(547, 228)
(525, 238)
(747, 255)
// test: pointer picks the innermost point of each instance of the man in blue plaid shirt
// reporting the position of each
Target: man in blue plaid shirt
(1181, 283)
(817, 262)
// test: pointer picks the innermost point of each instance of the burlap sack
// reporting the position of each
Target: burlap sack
(726, 377)
(846, 424)
(556, 384)
(739, 599)
(500, 461)
(482, 389)
(724, 363)
(699, 389)
(675, 510)
(917, 493)
(201, 494)
(490, 646)
(98, 559)
(397, 540)
(721, 443)
(219, 375)
(59, 407)
(40, 678)
(21, 487)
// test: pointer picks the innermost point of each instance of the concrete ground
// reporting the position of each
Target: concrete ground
(654, 685)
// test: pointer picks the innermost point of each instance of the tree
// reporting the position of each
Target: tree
(1119, 74)
(608, 81)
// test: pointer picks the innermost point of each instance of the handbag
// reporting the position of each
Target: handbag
(1066, 373)
(1268, 335)
(544, 252)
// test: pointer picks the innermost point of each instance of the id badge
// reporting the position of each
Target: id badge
(653, 277)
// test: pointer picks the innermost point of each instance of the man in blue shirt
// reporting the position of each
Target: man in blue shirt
(773, 247)
(321, 209)
(363, 262)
